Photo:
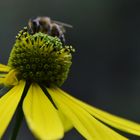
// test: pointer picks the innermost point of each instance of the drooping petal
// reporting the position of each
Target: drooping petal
(70, 114)
(8, 105)
(65, 121)
(2, 75)
(10, 78)
(1, 81)
(82, 120)
(4, 68)
(112, 120)
(42, 117)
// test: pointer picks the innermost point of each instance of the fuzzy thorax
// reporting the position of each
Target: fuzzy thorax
(41, 58)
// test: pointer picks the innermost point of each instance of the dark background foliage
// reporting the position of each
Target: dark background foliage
(106, 36)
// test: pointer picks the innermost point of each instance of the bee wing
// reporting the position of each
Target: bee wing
(62, 24)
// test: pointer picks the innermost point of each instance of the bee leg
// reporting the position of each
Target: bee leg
(62, 38)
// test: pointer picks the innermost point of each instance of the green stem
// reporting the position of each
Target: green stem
(18, 121)
(19, 115)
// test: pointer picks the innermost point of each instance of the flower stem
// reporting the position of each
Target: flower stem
(18, 121)
(19, 115)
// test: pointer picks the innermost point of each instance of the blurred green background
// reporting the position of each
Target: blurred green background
(106, 36)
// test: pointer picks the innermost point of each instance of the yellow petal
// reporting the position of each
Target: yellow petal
(112, 120)
(1, 81)
(65, 121)
(41, 115)
(10, 78)
(8, 105)
(88, 126)
(4, 68)
(2, 75)
(70, 114)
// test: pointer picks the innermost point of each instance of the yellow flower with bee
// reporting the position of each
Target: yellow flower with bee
(38, 65)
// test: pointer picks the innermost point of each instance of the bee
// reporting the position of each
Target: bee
(48, 26)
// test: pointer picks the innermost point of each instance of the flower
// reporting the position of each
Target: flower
(38, 65)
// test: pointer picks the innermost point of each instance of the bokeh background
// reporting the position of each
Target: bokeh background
(106, 65)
